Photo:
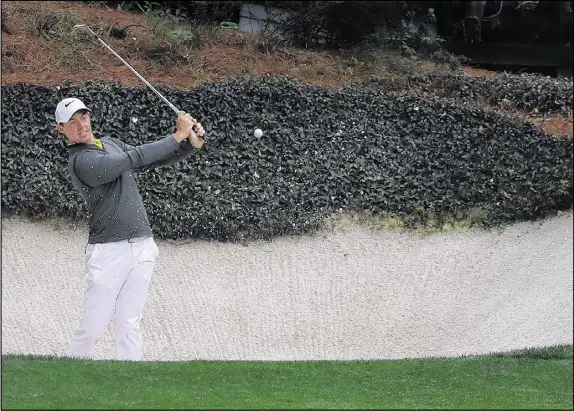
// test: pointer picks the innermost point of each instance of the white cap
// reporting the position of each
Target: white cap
(67, 107)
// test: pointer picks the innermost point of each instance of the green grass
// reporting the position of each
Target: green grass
(528, 379)
(387, 221)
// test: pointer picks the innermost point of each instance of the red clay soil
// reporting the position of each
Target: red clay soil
(558, 126)
(478, 72)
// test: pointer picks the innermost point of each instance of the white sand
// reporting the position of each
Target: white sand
(352, 294)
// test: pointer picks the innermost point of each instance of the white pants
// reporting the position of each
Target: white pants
(119, 274)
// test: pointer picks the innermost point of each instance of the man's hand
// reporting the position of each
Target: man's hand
(184, 123)
(199, 129)
(195, 137)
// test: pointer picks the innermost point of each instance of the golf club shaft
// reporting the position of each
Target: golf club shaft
(174, 108)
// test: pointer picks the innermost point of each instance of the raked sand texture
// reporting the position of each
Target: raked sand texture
(348, 295)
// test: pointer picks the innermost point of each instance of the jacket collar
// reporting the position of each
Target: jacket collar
(77, 146)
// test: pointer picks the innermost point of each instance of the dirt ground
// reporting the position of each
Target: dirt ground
(558, 126)
(32, 59)
(479, 72)
(32, 54)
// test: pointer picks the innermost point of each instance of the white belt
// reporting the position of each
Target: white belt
(133, 240)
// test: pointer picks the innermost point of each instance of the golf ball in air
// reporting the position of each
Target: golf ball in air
(258, 132)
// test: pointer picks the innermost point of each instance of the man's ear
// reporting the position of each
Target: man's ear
(60, 128)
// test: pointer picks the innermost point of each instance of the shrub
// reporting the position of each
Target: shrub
(358, 149)
(527, 92)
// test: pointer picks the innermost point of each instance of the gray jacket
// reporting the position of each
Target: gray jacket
(104, 178)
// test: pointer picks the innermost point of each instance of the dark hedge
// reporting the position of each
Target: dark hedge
(322, 152)
(528, 92)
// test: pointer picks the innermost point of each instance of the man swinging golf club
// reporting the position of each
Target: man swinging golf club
(121, 252)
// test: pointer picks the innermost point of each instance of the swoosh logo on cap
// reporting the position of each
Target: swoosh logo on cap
(66, 105)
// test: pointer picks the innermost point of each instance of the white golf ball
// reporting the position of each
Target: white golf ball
(258, 132)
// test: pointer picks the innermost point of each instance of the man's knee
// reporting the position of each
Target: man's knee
(126, 322)
(91, 331)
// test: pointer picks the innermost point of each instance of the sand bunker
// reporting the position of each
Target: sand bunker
(348, 295)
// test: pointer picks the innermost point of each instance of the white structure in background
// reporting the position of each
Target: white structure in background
(252, 17)
(424, 24)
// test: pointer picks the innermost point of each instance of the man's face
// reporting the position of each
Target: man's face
(78, 129)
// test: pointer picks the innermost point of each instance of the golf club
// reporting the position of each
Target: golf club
(174, 108)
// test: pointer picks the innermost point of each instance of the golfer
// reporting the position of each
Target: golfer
(121, 252)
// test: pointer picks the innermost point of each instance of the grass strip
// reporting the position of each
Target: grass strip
(526, 379)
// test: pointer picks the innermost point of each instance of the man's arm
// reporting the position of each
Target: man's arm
(97, 167)
(181, 152)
